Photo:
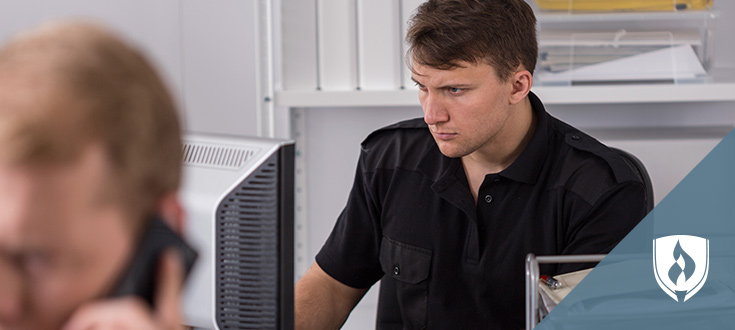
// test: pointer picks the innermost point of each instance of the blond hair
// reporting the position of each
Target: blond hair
(115, 98)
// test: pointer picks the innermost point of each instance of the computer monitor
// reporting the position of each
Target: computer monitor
(238, 195)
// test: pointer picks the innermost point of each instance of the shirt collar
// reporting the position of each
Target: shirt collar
(528, 165)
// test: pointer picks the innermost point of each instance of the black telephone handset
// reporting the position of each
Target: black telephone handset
(142, 272)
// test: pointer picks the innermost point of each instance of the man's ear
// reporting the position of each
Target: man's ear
(521, 82)
(172, 212)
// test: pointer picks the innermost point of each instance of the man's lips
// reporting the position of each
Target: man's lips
(444, 136)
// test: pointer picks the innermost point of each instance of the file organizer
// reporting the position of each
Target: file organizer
(532, 279)
(628, 48)
(621, 57)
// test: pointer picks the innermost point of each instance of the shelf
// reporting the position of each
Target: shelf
(567, 17)
(715, 92)
(305, 99)
(620, 38)
(601, 94)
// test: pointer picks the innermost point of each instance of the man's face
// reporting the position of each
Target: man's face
(62, 241)
(466, 107)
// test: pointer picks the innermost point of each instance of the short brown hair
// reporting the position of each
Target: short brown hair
(500, 32)
(116, 99)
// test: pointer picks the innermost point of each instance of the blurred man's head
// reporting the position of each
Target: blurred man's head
(90, 150)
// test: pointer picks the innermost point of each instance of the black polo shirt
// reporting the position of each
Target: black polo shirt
(445, 262)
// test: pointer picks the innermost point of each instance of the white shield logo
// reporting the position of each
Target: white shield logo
(681, 264)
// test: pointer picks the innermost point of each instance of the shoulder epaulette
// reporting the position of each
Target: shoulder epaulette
(416, 123)
(584, 142)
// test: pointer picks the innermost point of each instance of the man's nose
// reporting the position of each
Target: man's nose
(434, 108)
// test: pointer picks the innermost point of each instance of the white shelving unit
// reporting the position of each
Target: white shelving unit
(309, 92)
(610, 94)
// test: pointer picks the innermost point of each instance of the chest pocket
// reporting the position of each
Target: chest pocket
(408, 266)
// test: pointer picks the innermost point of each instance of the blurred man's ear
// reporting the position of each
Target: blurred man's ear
(172, 212)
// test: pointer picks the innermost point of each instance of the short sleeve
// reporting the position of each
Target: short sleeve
(598, 228)
(351, 253)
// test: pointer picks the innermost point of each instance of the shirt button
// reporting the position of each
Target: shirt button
(488, 198)
(575, 137)
(497, 180)
(396, 270)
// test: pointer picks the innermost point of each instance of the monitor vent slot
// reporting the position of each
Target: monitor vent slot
(212, 155)
(247, 253)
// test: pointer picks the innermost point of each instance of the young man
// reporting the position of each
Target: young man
(90, 153)
(444, 210)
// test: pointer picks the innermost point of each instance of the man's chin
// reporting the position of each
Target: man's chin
(451, 152)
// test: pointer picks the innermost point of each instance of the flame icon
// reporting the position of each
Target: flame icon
(682, 273)
(677, 270)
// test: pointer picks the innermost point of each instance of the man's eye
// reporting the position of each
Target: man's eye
(455, 90)
(420, 86)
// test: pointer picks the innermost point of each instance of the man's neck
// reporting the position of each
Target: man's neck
(503, 149)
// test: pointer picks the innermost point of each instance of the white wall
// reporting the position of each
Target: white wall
(205, 50)
(218, 53)
(155, 26)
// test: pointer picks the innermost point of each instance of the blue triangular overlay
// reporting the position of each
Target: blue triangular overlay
(622, 291)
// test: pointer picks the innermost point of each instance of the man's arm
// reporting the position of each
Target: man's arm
(321, 302)
(599, 228)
